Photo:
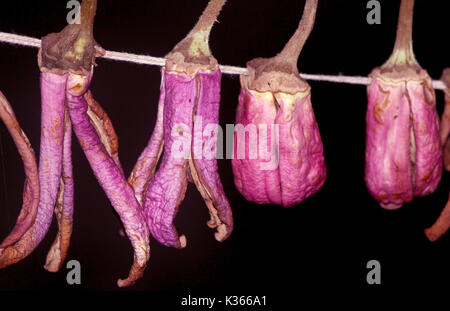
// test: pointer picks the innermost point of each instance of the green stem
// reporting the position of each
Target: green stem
(196, 43)
(403, 52)
(86, 35)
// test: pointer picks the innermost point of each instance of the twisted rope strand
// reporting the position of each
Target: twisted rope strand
(232, 70)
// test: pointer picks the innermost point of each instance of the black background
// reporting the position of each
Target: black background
(325, 242)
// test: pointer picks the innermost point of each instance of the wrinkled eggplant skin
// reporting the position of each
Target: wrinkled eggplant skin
(145, 167)
(109, 176)
(403, 150)
(205, 153)
(53, 89)
(186, 98)
(445, 130)
(168, 187)
(50, 160)
(301, 169)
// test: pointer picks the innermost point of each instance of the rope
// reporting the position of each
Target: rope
(232, 70)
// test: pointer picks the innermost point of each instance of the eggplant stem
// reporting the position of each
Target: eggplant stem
(196, 43)
(209, 16)
(88, 10)
(293, 48)
(403, 53)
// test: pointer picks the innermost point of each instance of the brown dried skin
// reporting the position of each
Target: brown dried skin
(60, 247)
(203, 167)
(267, 75)
(441, 226)
(176, 62)
(192, 54)
(224, 228)
(74, 48)
(104, 128)
(64, 205)
(31, 188)
(280, 73)
(11, 255)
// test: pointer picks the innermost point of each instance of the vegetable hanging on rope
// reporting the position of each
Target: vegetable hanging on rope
(403, 151)
(442, 224)
(445, 120)
(50, 166)
(66, 61)
(274, 96)
(30, 203)
(188, 106)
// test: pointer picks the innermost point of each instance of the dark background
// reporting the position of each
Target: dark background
(325, 242)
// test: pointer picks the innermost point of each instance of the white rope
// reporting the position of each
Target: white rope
(232, 70)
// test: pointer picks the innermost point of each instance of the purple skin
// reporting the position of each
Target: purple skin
(181, 96)
(190, 91)
(204, 164)
(104, 128)
(288, 169)
(31, 188)
(403, 151)
(66, 59)
(168, 187)
(145, 167)
(53, 94)
(64, 205)
(109, 175)
(255, 184)
(445, 129)
(301, 169)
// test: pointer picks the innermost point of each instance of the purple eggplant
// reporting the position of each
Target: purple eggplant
(190, 91)
(281, 161)
(403, 149)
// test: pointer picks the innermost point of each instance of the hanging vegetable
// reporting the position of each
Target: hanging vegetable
(442, 224)
(64, 204)
(188, 105)
(66, 60)
(31, 188)
(50, 165)
(274, 96)
(445, 120)
(403, 152)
